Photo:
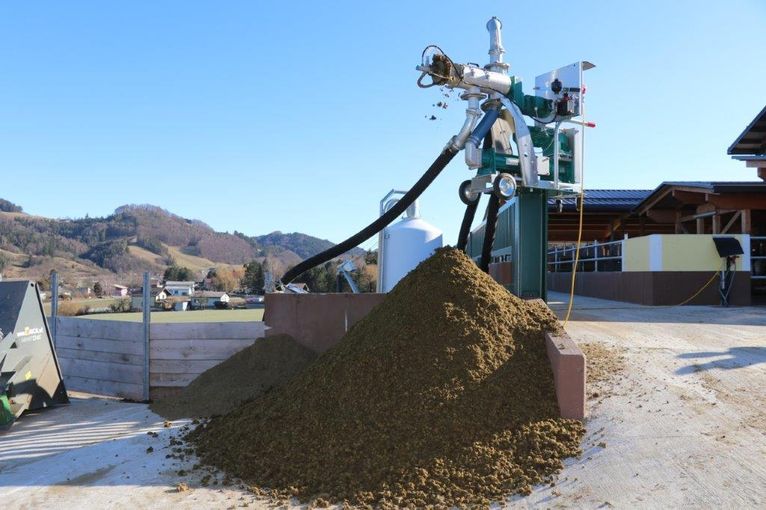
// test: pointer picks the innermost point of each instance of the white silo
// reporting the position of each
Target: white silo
(405, 244)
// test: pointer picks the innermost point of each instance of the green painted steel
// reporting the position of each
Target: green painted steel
(543, 137)
(533, 106)
(521, 238)
(6, 415)
(493, 161)
(530, 240)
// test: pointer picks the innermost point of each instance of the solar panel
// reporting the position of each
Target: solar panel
(727, 246)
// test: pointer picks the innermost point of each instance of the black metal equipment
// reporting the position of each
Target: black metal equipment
(30, 377)
(729, 249)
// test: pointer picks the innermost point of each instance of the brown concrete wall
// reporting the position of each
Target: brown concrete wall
(661, 288)
(317, 321)
(568, 364)
(502, 272)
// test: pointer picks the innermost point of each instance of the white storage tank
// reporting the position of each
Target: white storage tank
(404, 245)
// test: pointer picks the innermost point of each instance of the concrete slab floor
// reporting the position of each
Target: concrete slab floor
(95, 453)
(684, 425)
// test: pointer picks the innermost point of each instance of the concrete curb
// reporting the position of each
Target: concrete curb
(568, 365)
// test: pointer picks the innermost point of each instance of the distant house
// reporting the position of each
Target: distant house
(83, 291)
(208, 298)
(119, 290)
(179, 288)
(158, 296)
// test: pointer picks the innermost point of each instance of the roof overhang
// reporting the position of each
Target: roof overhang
(753, 139)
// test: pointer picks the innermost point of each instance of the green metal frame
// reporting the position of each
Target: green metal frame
(521, 235)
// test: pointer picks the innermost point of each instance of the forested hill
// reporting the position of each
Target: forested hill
(133, 239)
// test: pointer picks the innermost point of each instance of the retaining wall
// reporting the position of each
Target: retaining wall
(319, 321)
(107, 357)
(316, 321)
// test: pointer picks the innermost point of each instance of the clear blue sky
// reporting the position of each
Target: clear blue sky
(299, 116)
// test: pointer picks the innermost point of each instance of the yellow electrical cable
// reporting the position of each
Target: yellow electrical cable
(579, 227)
(699, 291)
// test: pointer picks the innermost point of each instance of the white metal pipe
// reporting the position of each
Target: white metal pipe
(472, 156)
(491, 80)
(496, 50)
(472, 115)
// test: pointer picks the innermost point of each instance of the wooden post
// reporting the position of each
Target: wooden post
(745, 218)
(716, 224)
(679, 228)
(54, 304)
(147, 316)
(700, 225)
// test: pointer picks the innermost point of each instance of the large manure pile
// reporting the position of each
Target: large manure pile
(269, 363)
(442, 395)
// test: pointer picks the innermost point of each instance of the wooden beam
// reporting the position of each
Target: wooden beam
(693, 217)
(662, 215)
(745, 218)
(705, 208)
(655, 200)
(731, 222)
(688, 197)
(740, 201)
(716, 224)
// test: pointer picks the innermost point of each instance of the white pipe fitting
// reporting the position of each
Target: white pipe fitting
(472, 116)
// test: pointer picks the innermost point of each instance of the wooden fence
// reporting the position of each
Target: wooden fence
(107, 357)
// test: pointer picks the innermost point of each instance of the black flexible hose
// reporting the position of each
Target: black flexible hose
(489, 232)
(470, 209)
(465, 227)
(379, 224)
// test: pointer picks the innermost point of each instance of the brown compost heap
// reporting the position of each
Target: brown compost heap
(269, 363)
(443, 395)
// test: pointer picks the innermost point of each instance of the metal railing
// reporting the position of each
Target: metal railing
(594, 257)
(758, 257)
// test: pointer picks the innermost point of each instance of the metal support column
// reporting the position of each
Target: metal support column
(147, 315)
(530, 242)
(54, 305)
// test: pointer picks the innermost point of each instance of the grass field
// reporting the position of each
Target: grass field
(251, 314)
(89, 303)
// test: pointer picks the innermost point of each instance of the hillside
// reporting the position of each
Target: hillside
(134, 239)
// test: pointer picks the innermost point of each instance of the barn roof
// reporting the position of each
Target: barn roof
(752, 141)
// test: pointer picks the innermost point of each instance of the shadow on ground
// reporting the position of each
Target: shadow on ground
(592, 309)
(735, 357)
(88, 442)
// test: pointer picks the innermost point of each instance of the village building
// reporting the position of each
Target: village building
(209, 299)
(176, 289)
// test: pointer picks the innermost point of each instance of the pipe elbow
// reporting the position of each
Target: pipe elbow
(472, 154)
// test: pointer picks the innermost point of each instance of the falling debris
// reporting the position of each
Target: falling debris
(443, 395)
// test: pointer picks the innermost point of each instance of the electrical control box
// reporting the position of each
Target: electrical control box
(564, 86)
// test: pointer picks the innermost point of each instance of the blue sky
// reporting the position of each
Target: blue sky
(292, 116)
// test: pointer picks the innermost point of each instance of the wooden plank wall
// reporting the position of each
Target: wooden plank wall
(180, 352)
(107, 357)
(102, 357)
